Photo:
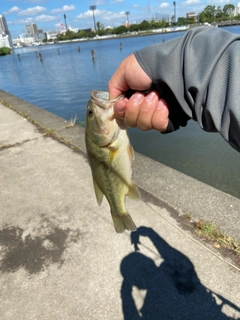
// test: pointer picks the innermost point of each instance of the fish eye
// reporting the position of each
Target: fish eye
(90, 112)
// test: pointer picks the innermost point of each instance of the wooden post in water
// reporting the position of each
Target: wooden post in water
(40, 56)
(93, 54)
(58, 51)
(79, 49)
(18, 56)
(120, 45)
(36, 54)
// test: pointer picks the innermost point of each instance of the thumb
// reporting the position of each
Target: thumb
(117, 85)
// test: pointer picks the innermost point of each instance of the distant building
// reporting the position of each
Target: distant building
(4, 41)
(3, 25)
(31, 29)
(86, 30)
(51, 35)
(193, 15)
(73, 29)
(32, 32)
(5, 35)
(24, 40)
(236, 11)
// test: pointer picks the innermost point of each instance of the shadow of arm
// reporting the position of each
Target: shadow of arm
(128, 305)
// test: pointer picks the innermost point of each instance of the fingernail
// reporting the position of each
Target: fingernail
(119, 108)
(161, 104)
(137, 97)
(151, 96)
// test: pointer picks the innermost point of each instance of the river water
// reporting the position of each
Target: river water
(61, 84)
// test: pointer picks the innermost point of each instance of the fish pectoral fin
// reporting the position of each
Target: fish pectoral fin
(98, 192)
(123, 222)
(133, 192)
(112, 154)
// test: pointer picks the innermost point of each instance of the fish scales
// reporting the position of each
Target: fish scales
(110, 157)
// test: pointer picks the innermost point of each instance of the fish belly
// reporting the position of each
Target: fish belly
(114, 181)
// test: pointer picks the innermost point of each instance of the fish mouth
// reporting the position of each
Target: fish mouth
(101, 132)
(101, 98)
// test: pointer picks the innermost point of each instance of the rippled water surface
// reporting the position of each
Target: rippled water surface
(61, 84)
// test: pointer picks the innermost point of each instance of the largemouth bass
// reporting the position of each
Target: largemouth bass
(110, 156)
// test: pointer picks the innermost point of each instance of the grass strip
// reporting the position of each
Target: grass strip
(209, 231)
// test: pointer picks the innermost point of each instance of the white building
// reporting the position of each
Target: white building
(73, 29)
(31, 28)
(5, 39)
(236, 11)
(51, 35)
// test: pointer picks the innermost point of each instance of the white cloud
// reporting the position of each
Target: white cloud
(12, 10)
(164, 5)
(23, 21)
(98, 2)
(32, 11)
(219, 2)
(191, 2)
(86, 14)
(135, 5)
(45, 18)
(40, 18)
(64, 9)
(116, 1)
(101, 14)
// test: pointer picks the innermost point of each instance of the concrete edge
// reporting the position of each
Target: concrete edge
(185, 195)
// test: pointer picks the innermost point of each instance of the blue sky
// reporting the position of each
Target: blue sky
(48, 14)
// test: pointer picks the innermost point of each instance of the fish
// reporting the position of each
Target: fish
(110, 156)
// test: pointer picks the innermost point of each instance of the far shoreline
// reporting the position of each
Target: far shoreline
(131, 35)
(103, 38)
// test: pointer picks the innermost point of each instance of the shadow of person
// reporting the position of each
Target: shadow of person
(173, 290)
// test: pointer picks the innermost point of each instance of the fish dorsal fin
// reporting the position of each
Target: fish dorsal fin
(133, 192)
(98, 192)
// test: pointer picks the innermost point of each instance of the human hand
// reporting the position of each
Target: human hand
(141, 231)
(146, 111)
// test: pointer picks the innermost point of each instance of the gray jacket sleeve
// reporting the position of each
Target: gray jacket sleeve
(199, 77)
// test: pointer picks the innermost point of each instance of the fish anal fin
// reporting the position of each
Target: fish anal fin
(98, 192)
(133, 192)
(123, 222)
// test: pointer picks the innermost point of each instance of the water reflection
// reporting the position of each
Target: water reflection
(172, 290)
(61, 84)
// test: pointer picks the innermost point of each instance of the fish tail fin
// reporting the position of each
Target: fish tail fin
(122, 222)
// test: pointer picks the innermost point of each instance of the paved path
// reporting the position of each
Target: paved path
(60, 257)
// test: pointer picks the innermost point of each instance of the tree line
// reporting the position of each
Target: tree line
(217, 14)
(4, 51)
(211, 14)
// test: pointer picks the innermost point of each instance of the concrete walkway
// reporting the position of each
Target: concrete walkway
(60, 257)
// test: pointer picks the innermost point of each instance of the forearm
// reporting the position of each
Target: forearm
(201, 73)
(128, 304)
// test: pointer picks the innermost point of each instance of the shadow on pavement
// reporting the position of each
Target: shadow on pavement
(173, 290)
(33, 252)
